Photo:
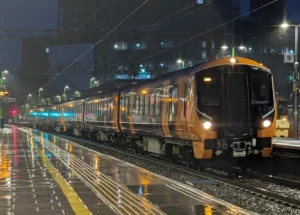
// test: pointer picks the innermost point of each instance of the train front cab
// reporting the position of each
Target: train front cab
(235, 106)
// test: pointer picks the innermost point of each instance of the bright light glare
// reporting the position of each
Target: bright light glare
(207, 125)
(5, 71)
(242, 47)
(285, 25)
(67, 87)
(267, 123)
(179, 60)
(232, 60)
(41, 89)
(224, 47)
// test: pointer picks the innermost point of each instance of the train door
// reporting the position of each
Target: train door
(173, 109)
(236, 111)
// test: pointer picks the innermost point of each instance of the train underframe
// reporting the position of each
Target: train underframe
(226, 152)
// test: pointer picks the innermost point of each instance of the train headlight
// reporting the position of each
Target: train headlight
(207, 125)
(267, 123)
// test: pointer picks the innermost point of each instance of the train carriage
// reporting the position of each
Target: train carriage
(220, 108)
(101, 115)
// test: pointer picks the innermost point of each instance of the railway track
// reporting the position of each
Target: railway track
(241, 187)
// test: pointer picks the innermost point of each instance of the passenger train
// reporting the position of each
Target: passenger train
(220, 108)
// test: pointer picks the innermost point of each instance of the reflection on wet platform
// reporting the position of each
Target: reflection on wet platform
(41, 173)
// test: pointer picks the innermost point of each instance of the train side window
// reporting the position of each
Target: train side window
(126, 105)
(185, 92)
(152, 103)
(147, 103)
(111, 106)
(158, 102)
(105, 107)
(137, 104)
(142, 104)
(174, 96)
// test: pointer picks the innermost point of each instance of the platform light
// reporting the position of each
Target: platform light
(207, 125)
(267, 123)
(5, 71)
(41, 89)
(232, 60)
(4, 78)
(242, 47)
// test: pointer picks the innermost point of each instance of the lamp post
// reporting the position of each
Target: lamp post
(78, 94)
(224, 47)
(58, 98)
(65, 90)
(40, 90)
(91, 82)
(2, 76)
(296, 77)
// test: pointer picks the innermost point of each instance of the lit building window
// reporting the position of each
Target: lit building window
(203, 54)
(138, 46)
(203, 44)
(162, 65)
(166, 44)
(213, 44)
(121, 46)
(200, 1)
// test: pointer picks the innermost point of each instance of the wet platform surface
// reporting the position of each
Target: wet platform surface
(43, 174)
(286, 143)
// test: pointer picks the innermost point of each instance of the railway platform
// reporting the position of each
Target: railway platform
(286, 143)
(44, 174)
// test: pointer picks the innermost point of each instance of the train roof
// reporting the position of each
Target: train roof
(206, 65)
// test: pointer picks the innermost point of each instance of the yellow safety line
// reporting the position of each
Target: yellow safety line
(76, 203)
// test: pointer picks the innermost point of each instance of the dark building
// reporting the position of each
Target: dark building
(71, 16)
(35, 64)
(139, 45)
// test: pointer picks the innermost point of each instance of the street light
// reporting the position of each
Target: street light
(180, 61)
(41, 89)
(65, 90)
(296, 76)
(2, 76)
(284, 25)
(58, 98)
(225, 47)
(77, 93)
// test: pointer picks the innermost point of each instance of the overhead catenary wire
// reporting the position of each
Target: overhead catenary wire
(205, 32)
(89, 49)
(164, 21)
(66, 42)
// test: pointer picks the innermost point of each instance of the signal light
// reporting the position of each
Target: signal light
(14, 112)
